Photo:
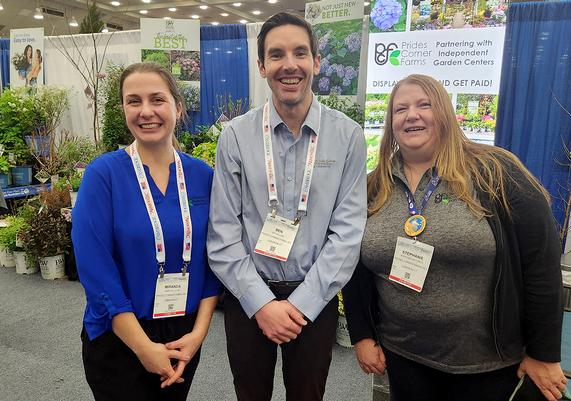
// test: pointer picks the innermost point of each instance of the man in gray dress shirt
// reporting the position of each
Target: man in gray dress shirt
(292, 171)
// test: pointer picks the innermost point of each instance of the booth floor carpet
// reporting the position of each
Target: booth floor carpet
(40, 352)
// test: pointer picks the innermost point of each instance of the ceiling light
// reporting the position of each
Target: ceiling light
(166, 17)
(115, 3)
(236, 4)
(1, 7)
(256, 12)
(366, 3)
(143, 11)
(146, 1)
(272, 1)
(215, 23)
(73, 22)
(224, 14)
(38, 14)
(243, 21)
(173, 9)
(194, 16)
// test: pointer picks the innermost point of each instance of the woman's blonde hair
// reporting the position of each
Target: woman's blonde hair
(464, 165)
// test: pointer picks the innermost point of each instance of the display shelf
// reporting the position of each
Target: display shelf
(21, 192)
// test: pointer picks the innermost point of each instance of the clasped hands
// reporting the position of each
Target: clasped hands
(280, 321)
(156, 357)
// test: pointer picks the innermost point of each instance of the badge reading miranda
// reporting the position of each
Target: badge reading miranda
(414, 225)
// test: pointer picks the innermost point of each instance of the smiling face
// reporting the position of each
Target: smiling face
(289, 66)
(413, 123)
(151, 111)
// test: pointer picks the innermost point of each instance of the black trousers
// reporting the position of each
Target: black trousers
(253, 356)
(114, 373)
(410, 380)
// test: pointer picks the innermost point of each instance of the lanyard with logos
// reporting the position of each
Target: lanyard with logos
(412, 258)
(172, 288)
(278, 233)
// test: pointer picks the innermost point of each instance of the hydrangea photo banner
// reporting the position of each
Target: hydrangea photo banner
(338, 25)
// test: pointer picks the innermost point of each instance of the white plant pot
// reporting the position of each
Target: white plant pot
(53, 267)
(25, 263)
(73, 196)
(342, 334)
(7, 258)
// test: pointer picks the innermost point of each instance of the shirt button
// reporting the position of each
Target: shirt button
(291, 150)
(289, 209)
(289, 178)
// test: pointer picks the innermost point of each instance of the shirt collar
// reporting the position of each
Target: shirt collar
(311, 120)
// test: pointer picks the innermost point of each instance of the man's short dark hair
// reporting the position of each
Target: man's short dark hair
(280, 19)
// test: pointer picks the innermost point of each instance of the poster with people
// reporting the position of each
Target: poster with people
(460, 43)
(175, 44)
(338, 25)
(26, 57)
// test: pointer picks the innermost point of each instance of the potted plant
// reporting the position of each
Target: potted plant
(74, 181)
(50, 103)
(6, 254)
(47, 238)
(10, 238)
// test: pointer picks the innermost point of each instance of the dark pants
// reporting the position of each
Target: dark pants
(114, 372)
(410, 380)
(253, 356)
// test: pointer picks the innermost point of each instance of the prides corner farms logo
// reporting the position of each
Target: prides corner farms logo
(409, 54)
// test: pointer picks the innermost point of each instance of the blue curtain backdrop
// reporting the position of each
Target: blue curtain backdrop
(5, 61)
(535, 87)
(223, 72)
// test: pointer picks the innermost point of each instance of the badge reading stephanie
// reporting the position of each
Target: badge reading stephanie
(414, 225)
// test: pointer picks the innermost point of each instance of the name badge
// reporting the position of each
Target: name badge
(276, 238)
(410, 263)
(170, 295)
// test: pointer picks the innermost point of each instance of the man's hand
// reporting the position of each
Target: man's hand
(280, 321)
(370, 356)
(548, 377)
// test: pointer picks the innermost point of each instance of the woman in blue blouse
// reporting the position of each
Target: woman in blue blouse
(139, 234)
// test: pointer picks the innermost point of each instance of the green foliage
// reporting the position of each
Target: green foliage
(47, 235)
(8, 235)
(76, 150)
(156, 56)
(74, 181)
(115, 131)
(206, 151)
(92, 22)
(232, 108)
(344, 105)
(17, 116)
(190, 141)
(4, 165)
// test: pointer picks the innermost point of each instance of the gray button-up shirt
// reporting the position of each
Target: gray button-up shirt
(327, 245)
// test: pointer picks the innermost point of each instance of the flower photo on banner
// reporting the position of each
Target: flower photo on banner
(388, 16)
(446, 14)
(340, 49)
